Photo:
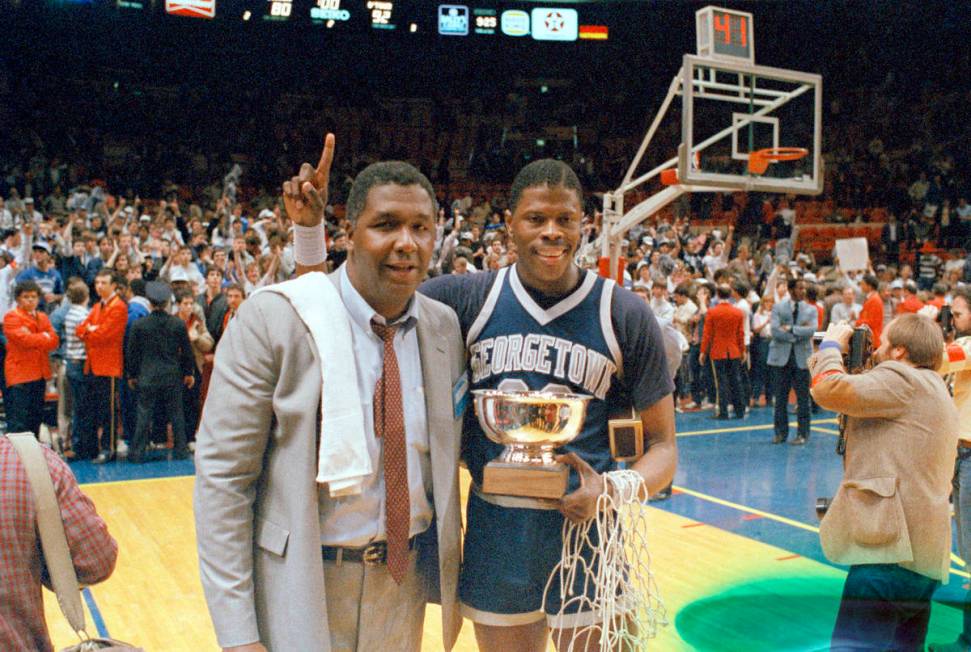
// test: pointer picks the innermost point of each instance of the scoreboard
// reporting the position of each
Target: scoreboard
(563, 21)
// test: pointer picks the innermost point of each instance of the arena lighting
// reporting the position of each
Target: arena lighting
(413, 28)
(247, 15)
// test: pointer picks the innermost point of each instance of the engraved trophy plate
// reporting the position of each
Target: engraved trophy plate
(530, 425)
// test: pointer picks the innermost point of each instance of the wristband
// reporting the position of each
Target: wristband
(829, 344)
(309, 244)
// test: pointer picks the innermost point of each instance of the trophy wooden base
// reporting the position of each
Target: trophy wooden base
(525, 480)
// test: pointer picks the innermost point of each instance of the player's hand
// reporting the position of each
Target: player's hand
(305, 195)
(581, 505)
(132, 383)
(189, 381)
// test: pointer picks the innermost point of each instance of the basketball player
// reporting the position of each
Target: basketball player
(545, 324)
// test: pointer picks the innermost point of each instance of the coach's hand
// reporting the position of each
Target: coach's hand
(305, 195)
(581, 505)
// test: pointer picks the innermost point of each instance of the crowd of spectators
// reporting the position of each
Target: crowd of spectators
(83, 258)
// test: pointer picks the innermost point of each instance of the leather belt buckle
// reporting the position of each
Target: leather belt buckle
(375, 554)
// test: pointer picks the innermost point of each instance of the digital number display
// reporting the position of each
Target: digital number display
(725, 34)
(279, 10)
(486, 21)
(381, 12)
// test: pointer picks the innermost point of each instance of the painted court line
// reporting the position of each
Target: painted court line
(787, 521)
(135, 480)
(766, 426)
(99, 622)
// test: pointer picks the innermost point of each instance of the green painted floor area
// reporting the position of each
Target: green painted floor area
(781, 614)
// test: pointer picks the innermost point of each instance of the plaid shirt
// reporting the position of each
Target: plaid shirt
(22, 569)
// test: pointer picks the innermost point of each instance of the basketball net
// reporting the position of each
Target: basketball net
(625, 600)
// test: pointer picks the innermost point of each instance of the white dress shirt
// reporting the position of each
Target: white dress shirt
(355, 521)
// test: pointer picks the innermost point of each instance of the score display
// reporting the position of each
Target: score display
(725, 34)
(278, 10)
(486, 21)
(381, 12)
(497, 19)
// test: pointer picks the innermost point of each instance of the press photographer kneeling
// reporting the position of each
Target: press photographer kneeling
(890, 519)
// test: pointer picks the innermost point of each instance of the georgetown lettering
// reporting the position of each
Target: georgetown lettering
(543, 354)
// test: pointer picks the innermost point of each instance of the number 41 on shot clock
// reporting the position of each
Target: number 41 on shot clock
(725, 34)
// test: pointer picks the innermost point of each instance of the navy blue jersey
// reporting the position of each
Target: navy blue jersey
(518, 341)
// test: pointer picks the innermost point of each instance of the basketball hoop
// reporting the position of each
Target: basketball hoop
(758, 161)
(670, 177)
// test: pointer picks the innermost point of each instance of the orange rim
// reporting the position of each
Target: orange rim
(758, 161)
(669, 177)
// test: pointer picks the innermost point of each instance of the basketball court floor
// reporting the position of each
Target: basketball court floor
(735, 550)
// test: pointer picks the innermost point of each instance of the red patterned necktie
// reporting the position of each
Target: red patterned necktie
(389, 424)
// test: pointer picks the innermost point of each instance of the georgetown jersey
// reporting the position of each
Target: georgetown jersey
(515, 345)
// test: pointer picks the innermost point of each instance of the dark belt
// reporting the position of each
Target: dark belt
(373, 554)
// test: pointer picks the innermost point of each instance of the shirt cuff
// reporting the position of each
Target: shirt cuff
(829, 344)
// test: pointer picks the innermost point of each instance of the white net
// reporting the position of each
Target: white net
(605, 569)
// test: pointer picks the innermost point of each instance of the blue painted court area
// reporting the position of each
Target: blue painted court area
(741, 482)
(161, 466)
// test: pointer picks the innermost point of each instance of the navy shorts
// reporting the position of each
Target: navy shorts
(508, 557)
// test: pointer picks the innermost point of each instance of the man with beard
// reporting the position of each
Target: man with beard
(957, 366)
(890, 519)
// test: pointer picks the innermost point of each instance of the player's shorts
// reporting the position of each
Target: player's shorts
(508, 557)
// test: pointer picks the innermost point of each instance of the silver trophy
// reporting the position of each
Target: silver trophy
(530, 425)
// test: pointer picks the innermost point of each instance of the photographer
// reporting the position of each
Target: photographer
(890, 519)
(957, 365)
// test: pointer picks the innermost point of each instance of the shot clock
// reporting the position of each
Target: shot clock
(725, 34)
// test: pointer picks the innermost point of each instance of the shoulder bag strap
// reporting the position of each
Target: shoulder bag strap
(57, 555)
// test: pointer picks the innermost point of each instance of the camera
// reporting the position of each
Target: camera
(860, 348)
(946, 320)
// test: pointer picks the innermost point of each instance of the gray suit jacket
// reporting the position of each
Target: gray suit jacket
(799, 338)
(256, 498)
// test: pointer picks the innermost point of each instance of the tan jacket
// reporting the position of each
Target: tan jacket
(957, 361)
(901, 441)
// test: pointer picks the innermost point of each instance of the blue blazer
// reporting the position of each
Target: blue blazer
(799, 336)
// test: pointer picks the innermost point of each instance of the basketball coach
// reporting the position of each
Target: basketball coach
(324, 381)
(890, 519)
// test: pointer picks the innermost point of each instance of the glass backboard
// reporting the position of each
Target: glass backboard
(750, 127)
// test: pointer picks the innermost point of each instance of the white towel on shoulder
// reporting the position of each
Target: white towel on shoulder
(343, 462)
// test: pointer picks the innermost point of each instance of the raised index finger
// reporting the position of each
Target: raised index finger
(322, 173)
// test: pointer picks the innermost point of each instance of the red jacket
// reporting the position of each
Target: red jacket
(724, 334)
(910, 304)
(872, 316)
(105, 343)
(28, 350)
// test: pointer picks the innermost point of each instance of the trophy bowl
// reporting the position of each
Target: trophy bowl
(530, 425)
